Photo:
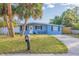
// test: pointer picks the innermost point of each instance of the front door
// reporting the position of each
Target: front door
(31, 29)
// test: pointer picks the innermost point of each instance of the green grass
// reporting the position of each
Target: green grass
(39, 44)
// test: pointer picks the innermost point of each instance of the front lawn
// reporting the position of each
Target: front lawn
(39, 44)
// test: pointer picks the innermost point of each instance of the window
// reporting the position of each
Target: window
(26, 27)
(38, 27)
(51, 28)
(58, 28)
(21, 28)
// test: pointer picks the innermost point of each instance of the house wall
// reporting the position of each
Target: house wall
(38, 31)
(46, 29)
(4, 30)
(56, 29)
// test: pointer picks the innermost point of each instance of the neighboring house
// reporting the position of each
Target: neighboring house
(37, 28)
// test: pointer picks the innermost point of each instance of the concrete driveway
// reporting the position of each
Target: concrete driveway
(71, 42)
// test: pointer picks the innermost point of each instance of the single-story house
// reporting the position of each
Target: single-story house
(41, 28)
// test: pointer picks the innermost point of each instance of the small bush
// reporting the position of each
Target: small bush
(66, 30)
(75, 26)
(4, 24)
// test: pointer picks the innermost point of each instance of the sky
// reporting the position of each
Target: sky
(50, 11)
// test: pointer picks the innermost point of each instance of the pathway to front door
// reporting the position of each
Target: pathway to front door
(71, 42)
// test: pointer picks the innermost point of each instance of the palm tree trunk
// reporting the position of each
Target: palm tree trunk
(7, 22)
(24, 26)
(11, 32)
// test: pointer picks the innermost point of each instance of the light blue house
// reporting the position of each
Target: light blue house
(41, 28)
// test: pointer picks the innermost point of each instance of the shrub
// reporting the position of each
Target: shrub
(75, 26)
(3, 23)
(66, 30)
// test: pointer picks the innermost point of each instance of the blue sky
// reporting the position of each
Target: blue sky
(50, 11)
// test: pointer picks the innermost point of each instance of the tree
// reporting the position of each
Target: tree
(68, 17)
(6, 13)
(57, 20)
(3, 13)
(76, 10)
(28, 10)
(11, 32)
(25, 10)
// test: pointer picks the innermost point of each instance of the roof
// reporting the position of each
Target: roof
(37, 23)
(42, 24)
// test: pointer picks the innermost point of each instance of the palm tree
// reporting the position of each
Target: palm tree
(6, 12)
(3, 13)
(28, 10)
(10, 20)
(23, 11)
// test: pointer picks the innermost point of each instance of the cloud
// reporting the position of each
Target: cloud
(43, 8)
(71, 4)
(50, 6)
(69, 7)
(65, 4)
(47, 5)
(76, 5)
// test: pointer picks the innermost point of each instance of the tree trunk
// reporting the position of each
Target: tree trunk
(11, 32)
(7, 22)
(24, 26)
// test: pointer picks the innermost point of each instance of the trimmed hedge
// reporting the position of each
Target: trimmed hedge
(66, 30)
